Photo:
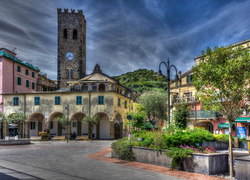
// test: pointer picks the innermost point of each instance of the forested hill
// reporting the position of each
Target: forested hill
(142, 80)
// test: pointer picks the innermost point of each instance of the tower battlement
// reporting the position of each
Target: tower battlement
(72, 11)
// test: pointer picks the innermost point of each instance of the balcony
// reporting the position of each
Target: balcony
(201, 114)
(187, 99)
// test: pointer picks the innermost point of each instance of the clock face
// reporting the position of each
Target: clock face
(69, 56)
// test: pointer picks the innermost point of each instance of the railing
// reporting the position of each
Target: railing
(201, 114)
(188, 99)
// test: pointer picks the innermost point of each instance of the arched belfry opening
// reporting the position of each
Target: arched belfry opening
(75, 34)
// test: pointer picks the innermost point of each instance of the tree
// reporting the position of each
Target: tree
(155, 105)
(63, 120)
(222, 82)
(181, 116)
(91, 121)
(139, 120)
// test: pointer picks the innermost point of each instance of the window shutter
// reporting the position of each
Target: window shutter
(188, 79)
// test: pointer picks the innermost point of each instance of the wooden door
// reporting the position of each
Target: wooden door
(117, 131)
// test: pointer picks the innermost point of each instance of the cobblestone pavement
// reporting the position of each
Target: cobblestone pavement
(77, 160)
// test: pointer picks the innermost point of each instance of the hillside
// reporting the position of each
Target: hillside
(142, 80)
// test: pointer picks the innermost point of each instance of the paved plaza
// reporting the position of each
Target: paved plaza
(77, 160)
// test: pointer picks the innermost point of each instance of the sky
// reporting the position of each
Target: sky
(125, 35)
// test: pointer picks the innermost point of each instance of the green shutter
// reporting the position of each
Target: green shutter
(33, 85)
(57, 100)
(119, 102)
(19, 81)
(27, 72)
(27, 83)
(16, 101)
(37, 100)
(100, 99)
(33, 74)
(188, 79)
(18, 68)
(78, 99)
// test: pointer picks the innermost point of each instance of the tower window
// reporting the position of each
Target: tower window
(69, 73)
(102, 87)
(75, 34)
(65, 34)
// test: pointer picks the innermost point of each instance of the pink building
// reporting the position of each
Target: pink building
(15, 75)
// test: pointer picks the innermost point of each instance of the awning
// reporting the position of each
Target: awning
(224, 125)
(242, 120)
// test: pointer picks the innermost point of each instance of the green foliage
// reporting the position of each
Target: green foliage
(178, 155)
(222, 138)
(143, 80)
(188, 137)
(222, 80)
(63, 120)
(123, 150)
(155, 105)
(138, 120)
(243, 140)
(181, 116)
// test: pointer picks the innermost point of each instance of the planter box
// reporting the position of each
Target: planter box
(243, 145)
(217, 145)
(199, 163)
(242, 166)
(14, 142)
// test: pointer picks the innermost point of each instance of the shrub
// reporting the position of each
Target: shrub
(190, 137)
(222, 138)
(123, 149)
(243, 140)
(178, 155)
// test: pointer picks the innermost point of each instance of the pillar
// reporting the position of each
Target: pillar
(121, 130)
(26, 130)
(112, 129)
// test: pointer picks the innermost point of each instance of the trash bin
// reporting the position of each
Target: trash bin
(236, 142)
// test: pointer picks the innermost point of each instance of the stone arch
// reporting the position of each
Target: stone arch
(103, 128)
(76, 87)
(94, 87)
(118, 126)
(101, 87)
(36, 123)
(85, 88)
(55, 128)
(77, 125)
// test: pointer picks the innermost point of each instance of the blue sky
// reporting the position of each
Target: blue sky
(125, 35)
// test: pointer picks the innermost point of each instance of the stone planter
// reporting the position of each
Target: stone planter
(242, 166)
(14, 142)
(200, 163)
(216, 145)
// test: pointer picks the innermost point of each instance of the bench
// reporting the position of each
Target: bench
(35, 138)
(82, 137)
(58, 138)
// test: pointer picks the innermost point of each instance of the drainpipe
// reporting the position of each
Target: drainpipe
(13, 87)
(24, 110)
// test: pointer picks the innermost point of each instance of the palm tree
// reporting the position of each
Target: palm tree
(91, 122)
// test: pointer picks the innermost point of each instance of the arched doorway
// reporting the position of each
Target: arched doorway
(118, 127)
(103, 128)
(36, 124)
(77, 125)
(55, 128)
(210, 128)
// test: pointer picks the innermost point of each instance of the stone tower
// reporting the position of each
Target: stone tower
(71, 62)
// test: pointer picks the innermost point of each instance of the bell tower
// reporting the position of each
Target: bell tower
(71, 60)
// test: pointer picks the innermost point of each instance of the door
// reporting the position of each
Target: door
(117, 131)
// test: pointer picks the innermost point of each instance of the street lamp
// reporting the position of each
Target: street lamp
(67, 108)
(168, 80)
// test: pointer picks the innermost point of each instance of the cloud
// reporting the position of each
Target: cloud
(124, 35)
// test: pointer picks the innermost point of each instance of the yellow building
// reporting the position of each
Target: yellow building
(95, 94)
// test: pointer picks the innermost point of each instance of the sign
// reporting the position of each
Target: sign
(241, 132)
(46, 114)
(129, 117)
(6, 138)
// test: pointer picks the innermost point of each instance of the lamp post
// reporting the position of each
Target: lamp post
(67, 108)
(168, 80)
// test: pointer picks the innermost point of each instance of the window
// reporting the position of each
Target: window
(94, 88)
(78, 99)
(27, 83)
(74, 124)
(15, 101)
(65, 34)
(75, 34)
(85, 88)
(33, 125)
(125, 104)
(57, 100)
(100, 99)
(76, 87)
(119, 102)
(51, 125)
(33, 85)
(189, 78)
(69, 73)
(18, 69)
(27, 72)
(19, 81)
(176, 83)
(102, 87)
(36, 100)
(33, 74)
